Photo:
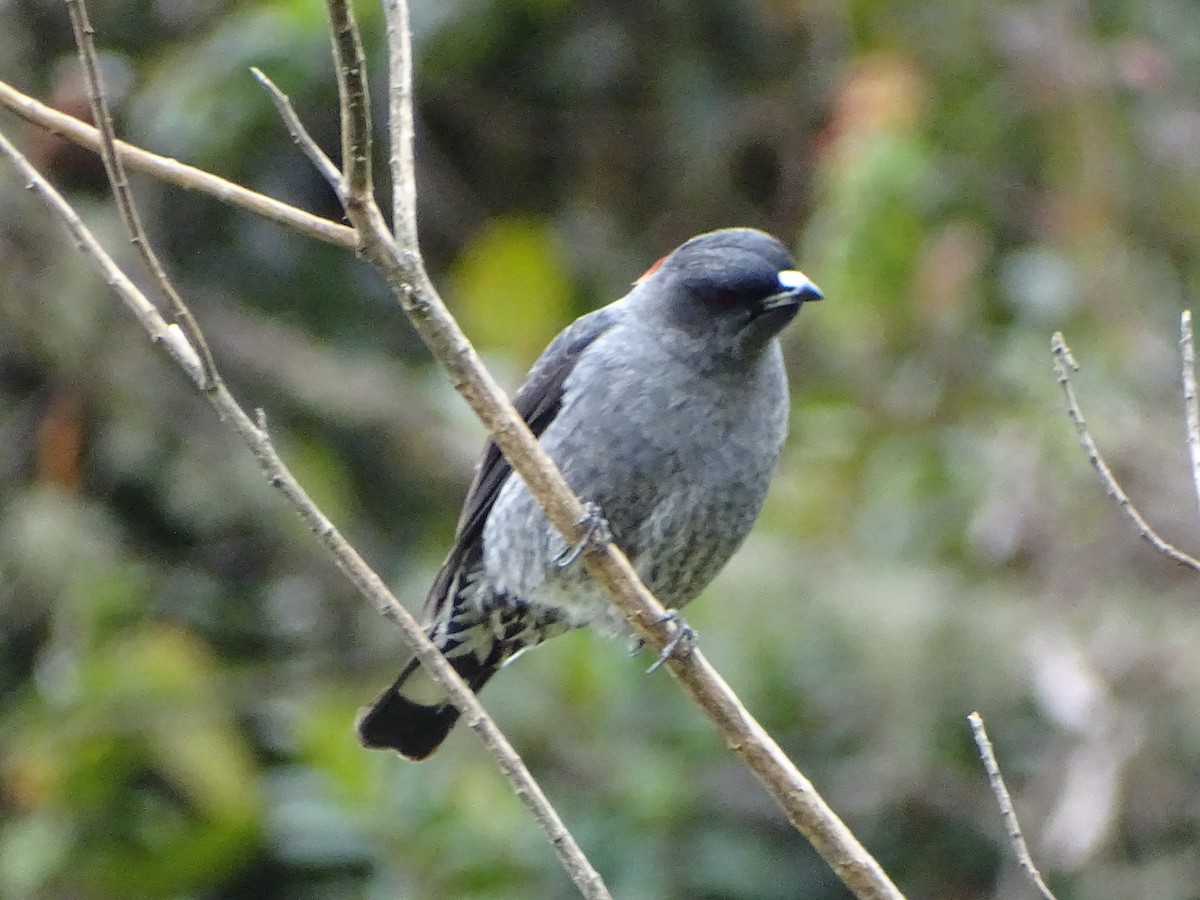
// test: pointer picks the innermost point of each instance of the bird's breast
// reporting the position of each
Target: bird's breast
(678, 463)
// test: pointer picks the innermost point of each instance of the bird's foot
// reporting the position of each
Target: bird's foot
(595, 535)
(682, 642)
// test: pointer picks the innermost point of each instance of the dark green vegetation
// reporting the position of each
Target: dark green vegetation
(180, 668)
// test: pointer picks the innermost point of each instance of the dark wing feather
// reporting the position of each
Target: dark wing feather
(538, 402)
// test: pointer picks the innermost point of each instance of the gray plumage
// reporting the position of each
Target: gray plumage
(668, 409)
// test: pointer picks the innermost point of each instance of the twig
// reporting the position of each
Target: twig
(1190, 400)
(124, 196)
(308, 146)
(179, 174)
(353, 100)
(345, 556)
(1007, 812)
(400, 121)
(1064, 364)
(143, 310)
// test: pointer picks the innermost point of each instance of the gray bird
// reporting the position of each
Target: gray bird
(667, 410)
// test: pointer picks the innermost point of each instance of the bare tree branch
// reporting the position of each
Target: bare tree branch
(174, 172)
(124, 197)
(1004, 800)
(1191, 402)
(354, 99)
(1064, 365)
(308, 146)
(400, 121)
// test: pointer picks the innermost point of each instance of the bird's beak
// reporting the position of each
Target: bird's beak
(773, 312)
(797, 289)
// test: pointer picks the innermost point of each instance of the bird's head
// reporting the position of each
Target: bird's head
(733, 289)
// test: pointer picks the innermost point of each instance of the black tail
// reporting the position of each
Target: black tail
(413, 728)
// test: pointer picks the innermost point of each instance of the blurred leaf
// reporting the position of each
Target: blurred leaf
(203, 100)
(149, 763)
(32, 849)
(511, 288)
(328, 744)
(308, 825)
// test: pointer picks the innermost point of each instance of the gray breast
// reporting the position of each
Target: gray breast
(679, 467)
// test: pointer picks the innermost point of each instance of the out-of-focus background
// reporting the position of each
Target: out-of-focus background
(181, 667)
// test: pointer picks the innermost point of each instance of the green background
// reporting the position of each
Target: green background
(181, 666)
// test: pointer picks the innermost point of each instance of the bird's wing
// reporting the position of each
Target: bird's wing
(538, 402)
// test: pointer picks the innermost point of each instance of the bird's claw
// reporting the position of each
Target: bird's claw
(596, 535)
(682, 642)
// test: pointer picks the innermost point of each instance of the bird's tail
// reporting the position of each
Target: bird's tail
(413, 716)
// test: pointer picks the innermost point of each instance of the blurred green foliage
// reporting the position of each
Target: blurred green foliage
(503, 267)
(180, 667)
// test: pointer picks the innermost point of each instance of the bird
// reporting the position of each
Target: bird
(666, 411)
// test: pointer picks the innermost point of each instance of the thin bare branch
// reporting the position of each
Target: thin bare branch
(400, 120)
(143, 310)
(1190, 400)
(124, 196)
(1004, 801)
(308, 146)
(174, 172)
(353, 99)
(1064, 365)
(345, 556)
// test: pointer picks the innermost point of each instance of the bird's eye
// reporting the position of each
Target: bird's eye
(724, 298)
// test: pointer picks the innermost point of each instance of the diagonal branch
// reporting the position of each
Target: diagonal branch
(174, 172)
(85, 43)
(1004, 801)
(1064, 365)
(305, 141)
